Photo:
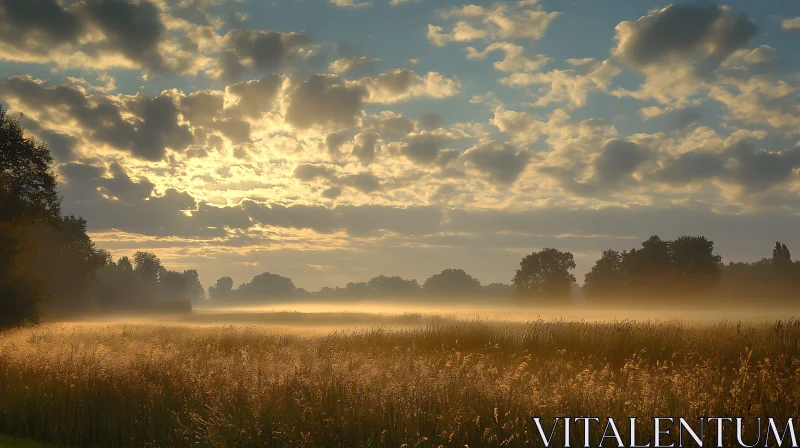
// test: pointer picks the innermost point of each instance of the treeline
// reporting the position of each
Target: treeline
(681, 271)
(144, 284)
(450, 283)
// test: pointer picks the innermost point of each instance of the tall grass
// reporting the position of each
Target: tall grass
(449, 383)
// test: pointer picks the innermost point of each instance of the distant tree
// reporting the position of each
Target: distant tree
(221, 290)
(695, 268)
(125, 264)
(781, 255)
(172, 285)
(358, 289)
(451, 282)
(393, 286)
(194, 289)
(606, 276)
(147, 267)
(266, 285)
(545, 274)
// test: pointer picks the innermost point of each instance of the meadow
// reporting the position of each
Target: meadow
(408, 380)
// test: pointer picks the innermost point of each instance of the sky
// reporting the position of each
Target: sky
(333, 141)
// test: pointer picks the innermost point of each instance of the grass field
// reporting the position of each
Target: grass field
(425, 382)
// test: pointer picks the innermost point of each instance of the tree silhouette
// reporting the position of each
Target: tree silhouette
(606, 277)
(43, 256)
(695, 268)
(147, 267)
(545, 274)
(393, 286)
(266, 285)
(452, 282)
(221, 290)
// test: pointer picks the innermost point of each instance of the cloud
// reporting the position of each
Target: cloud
(353, 64)
(617, 161)
(707, 34)
(679, 47)
(324, 100)
(423, 148)
(760, 60)
(263, 50)
(759, 100)
(365, 146)
(98, 34)
(790, 24)
(402, 84)
(156, 127)
(349, 3)
(499, 21)
(741, 164)
(256, 96)
(502, 162)
(514, 59)
(400, 2)
(567, 86)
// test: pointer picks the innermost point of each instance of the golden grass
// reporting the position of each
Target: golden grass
(448, 383)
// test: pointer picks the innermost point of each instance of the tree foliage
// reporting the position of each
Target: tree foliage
(545, 274)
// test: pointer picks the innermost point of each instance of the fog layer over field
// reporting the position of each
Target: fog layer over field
(360, 314)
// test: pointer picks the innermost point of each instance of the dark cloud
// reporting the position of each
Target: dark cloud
(364, 147)
(757, 169)
(257, 96)
(334, 141)
(502, 162)
(324, 100)
(203, 107)
(133, 28)
(122, 187)
(753, 169)
(431, 121)
(618, 160)
(42, 23)
(265, 50)
(395, 127)
(307, 172)
(706, 33)
(159, 128)
(690, 167)
(332, 193)
(364, 182)
(423, 149)
(206, 109)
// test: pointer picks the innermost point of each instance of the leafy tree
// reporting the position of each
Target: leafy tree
(194, 289)
(358, 289)
(781, 255)
(606, 276)
(27, 181)
(266, 285)
(695, 267)
(545, 274)
(221, 290)
(44, 256)
(451, 282)
(147, 267)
